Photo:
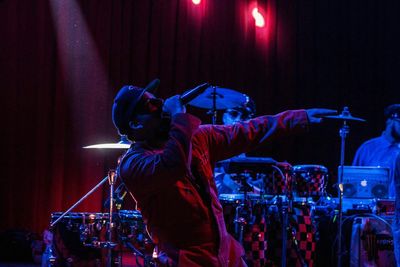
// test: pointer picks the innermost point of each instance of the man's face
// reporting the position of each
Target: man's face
(231, 116)
(147, 118)
(395, 128)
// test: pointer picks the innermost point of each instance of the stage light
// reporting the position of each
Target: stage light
(196, 2)
(258, 17)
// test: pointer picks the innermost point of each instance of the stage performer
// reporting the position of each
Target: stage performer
(169, 169)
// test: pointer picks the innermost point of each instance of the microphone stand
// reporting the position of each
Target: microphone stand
(111, 177)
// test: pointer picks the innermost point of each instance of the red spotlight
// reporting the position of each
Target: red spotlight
(196, 2)
(258, 17)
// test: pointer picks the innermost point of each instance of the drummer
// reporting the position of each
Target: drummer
(224, 182)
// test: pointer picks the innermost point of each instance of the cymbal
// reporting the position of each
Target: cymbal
(224, 98)
(123, 144)
(344, 116)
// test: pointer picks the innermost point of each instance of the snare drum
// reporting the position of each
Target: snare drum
(309, 180)
(76, 236)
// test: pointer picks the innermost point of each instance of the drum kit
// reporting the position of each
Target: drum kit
(279, 215)
(273, 211)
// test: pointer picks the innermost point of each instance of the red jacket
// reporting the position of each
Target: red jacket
(176, 192)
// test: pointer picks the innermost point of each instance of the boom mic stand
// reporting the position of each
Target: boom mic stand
(111, 177)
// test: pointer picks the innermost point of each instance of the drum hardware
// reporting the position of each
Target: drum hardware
(243, 215)
(345, 117)
(284, 211)
(111, 178)
(245, 186)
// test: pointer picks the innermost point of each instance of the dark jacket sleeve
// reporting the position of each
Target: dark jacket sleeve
(152, 170)
(227, 141)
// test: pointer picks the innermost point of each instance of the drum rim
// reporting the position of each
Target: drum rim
(309, 167)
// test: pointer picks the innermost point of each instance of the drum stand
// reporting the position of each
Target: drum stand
(284, 211)
(343, 132)
(244, 210)
(109, 245)
(213, 110)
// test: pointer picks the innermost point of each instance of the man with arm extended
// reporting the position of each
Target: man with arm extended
(169, 170)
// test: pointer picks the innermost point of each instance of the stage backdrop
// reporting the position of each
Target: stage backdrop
(61, 63)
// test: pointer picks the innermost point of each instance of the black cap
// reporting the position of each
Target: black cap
(125, 103)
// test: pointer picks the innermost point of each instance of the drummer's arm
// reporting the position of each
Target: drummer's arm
(226, 141)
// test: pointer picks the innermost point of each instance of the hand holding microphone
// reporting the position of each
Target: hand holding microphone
(173, 105)
(176, 104)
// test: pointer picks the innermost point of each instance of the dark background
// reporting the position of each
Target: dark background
(62, 62)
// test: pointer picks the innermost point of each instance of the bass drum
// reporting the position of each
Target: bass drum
(75, 237)
(370, 240)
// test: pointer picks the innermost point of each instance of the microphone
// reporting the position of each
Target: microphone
(189, 95)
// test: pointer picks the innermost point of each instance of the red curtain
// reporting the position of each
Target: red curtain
(63, 61)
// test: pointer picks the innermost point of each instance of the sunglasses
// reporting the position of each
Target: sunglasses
(150, 105)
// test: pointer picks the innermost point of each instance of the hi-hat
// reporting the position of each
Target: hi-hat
(344, 116)
(123, 144)
(224, 98)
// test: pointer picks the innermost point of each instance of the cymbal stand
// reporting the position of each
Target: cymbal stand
(243, 211)
(213, 110)
(111, 177)
(110, 245)
(343, 132)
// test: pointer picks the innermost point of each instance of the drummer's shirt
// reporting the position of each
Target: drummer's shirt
(379, 152)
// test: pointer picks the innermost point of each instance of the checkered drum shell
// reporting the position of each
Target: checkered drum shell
(278, 180)
(309, 180)
(301, 243)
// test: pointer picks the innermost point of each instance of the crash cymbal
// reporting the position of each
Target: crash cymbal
(224, 98)
(123, 144)
(344, 116)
